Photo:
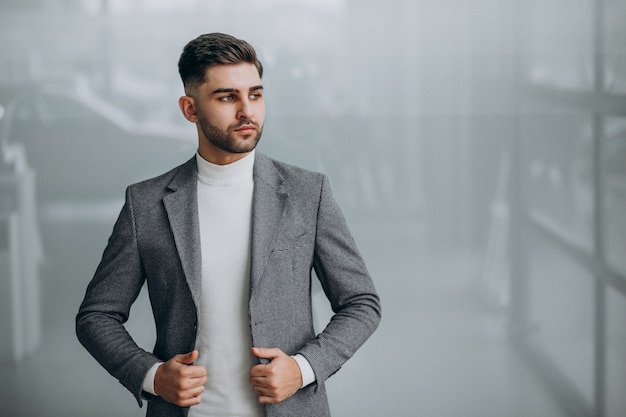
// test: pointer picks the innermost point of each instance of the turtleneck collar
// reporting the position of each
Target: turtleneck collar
(224, 175)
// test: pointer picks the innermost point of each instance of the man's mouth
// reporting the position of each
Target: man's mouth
(248, 128)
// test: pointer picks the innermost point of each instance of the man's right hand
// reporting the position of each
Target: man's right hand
(180, 382)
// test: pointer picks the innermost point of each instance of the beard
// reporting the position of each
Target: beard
(225, 139)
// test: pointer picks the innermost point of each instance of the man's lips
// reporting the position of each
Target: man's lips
(246, 129)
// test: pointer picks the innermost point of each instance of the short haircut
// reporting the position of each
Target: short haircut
(213, 49)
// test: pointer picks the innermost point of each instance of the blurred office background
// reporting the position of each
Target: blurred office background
(477, 148)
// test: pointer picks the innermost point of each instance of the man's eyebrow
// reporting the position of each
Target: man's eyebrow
(235, 90)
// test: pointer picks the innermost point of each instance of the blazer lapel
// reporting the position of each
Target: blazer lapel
(268, 207)
(181, 205)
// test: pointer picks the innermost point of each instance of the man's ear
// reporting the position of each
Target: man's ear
(187, 106)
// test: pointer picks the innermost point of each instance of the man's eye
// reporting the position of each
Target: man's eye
(255, 96)
(227, 98)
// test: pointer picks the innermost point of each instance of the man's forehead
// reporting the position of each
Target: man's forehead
(238, 76)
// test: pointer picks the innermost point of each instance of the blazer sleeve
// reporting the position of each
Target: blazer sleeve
(106, 307)
(347, 285)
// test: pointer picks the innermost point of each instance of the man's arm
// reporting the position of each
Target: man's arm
(347, 285)
(106, 307)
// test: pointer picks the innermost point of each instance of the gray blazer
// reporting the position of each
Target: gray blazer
(296, 227)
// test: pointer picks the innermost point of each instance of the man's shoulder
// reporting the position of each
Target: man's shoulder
(291, 173)
(162, 181)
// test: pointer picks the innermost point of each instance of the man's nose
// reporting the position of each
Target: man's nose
(245, 110)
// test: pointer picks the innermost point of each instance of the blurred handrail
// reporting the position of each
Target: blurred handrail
(11, 153)
(496, 280)
(6, 118)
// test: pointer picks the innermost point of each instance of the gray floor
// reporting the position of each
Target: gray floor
(438, 351)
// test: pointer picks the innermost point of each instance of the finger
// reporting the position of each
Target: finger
(191, 396)
(264, 399)
(266, 353)
(259, 382)
(197, 391)
(190, 401)
(262, 391)
(195, 371)
(258, 371)
(187, 358)
(192, 383)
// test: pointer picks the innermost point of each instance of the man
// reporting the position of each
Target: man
(226, 243)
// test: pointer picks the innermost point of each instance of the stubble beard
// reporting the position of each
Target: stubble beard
(224, 139)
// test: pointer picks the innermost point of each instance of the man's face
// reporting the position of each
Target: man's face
(230, 112)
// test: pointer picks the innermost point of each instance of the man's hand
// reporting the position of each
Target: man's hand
(277, 380)
(180, 382)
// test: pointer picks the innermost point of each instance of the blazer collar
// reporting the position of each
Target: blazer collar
(181, 205)
(268, 206)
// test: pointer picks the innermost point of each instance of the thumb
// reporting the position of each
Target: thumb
(266, 353)
(187, 358)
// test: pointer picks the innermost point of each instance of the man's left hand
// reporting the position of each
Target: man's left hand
(278, 380)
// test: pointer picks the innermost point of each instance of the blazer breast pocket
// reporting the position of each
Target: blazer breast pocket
(286, 243)
(291, 259)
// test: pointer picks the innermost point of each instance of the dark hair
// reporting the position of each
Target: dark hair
(213, 49)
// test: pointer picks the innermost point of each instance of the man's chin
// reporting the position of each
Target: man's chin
(246, 143)
(242, 145)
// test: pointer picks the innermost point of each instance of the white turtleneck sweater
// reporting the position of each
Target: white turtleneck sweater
(224, 340)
